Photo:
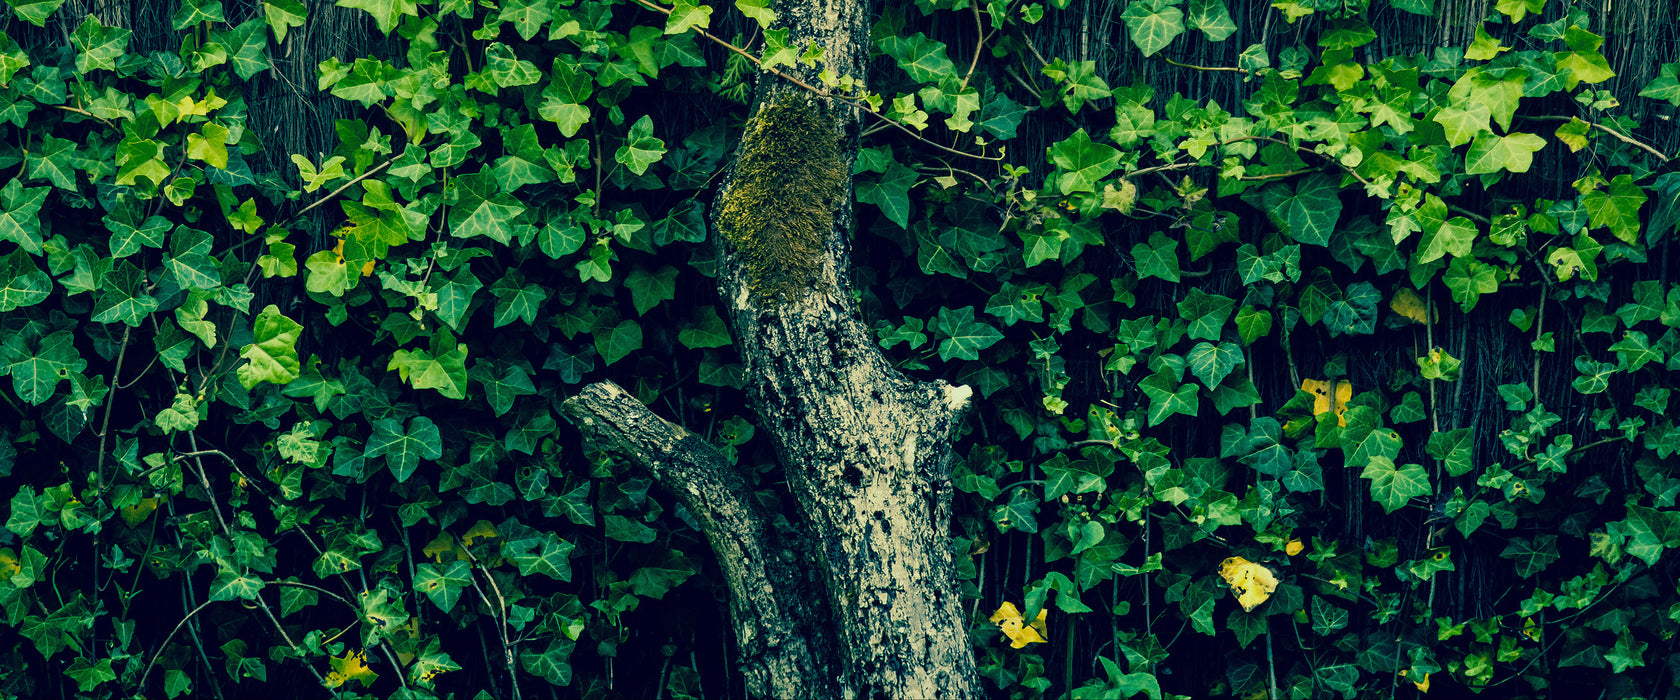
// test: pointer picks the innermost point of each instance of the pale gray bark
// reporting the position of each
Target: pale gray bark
(864, 447)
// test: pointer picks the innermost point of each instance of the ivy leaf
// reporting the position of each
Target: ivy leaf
(620, 340)
(1455, 450)
(1513, 152)
(122, 298)
(1634, 351)
(443, 367)
(53, 162)
(1207, 313)
(484, 209)
(1394, 486)
(964, 336)
(507, 69)
(1307, 212)
(272, 354)
(1532, 556)
(890, 191)
(1212, 363)
(641, 149)
(685, 16)
(386, 13)
(97, 46)
(1212, 18)
(527, 16)
(192, 12)
(443, 583)
(283, 15)
(1153, 24)
(1355, 312)
(544, 554)
(1157, 258)
(922, 58)
(705, 331)
(503, 382)
(21, 282)
(20, 222)
(1167, 397)
(647, 289)
(1462, 123)
(1617, 209)
(37, 364)
(403, 449)
(1441, 235)
(35, 12)
(1082, 163)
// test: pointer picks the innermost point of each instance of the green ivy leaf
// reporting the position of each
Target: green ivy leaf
(192, 12)
(21, 282)
(1513, 152)
(543, 553)
(1207, 313)
(1617, 209)
(527, 16)
(443, 583)
(1212, 18)
(282, 15)
(706, 330)
(443, 367)
(641, 149)
(1157, 258)
(1393, 486)
(964, 337)
(1081, 162)
(98, 46)
(272, 354)
(1212, 363)
(403, 449)
(1532, 556)
(1167, 397)
(620, 340)
(1308, 211)
(35, 12)
(386, 13)
(1153, 24)
(20, 220)
(922, 58)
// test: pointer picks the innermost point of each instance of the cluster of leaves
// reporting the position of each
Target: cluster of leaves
(207, 382)
(1155, 436)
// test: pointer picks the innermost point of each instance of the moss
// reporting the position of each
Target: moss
(779, 211)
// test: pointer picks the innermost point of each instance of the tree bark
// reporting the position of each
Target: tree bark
(865, 448)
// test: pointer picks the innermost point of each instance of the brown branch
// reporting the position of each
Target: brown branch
(786, 649)
(1243, 71)
(1624, 138)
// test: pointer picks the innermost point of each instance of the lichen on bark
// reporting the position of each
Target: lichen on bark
(778, 211)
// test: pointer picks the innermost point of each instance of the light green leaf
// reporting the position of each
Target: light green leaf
(1153, 24)
(98, 46)
(443, 368)
(1157, 258)
(1081, 162)
(922, 58)
(685, 15)
(1394, 486)
(283, 15)
(272, 355)
(527, 16)
(386, 13)
(35, 12)
(1513, 152)
(1167, 397)
(641, 149)
(544, 554)
(1212, 18)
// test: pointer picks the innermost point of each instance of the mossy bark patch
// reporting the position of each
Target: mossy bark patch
(779, 210)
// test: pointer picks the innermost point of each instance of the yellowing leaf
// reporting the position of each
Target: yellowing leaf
(1329, 395)
(352, 666)
(136, 514)
(1252, 582)
(1294, 547)
(482, 528)
(443, 544)
(1407, 303)
(1009, 619)
(338, 250)
(8, 563)
(1422, 686)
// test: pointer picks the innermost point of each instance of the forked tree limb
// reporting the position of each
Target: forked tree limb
(776, 607)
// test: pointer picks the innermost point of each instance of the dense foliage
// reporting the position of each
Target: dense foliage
(1358, 382)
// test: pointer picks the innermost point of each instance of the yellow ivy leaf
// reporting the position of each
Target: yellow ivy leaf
(482, 528)
(1409, 305)
(1329, 395)
(1009, 619)
(351, 666)
(443, 544)
(9, 564)
(1252, 582)
(136, 514)
(1294, 547)
(1422, 686)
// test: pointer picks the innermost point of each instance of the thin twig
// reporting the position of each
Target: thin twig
(1243, 71)
(1624, 138)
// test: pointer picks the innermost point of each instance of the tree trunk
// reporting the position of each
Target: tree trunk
(865, 448)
